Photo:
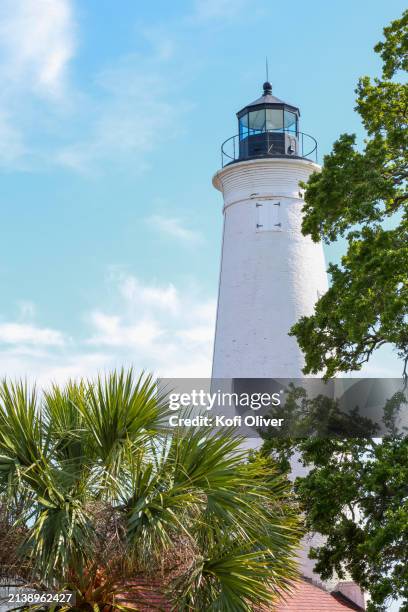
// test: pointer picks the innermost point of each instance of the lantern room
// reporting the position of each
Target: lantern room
(268, 127)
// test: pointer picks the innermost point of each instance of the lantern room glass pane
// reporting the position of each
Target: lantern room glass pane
(274, 119)
(257, 121)
(290, 121)
(243, 127)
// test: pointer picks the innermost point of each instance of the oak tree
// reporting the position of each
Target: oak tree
(362, 195)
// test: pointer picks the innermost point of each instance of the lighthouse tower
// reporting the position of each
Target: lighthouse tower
(271, 274)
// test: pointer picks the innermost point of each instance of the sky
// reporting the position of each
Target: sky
(111, 120)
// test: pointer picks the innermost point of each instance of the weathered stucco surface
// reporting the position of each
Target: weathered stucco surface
(270, 273)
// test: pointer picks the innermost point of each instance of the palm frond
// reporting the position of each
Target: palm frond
(230, 579)
(91, 471)
(119, 409)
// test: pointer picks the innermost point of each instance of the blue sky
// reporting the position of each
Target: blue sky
(111, 120)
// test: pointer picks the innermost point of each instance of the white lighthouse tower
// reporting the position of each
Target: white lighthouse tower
(271, 274)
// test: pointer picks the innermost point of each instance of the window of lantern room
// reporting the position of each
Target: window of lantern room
(243, 127)
(257, 121)
(274, 119)
(290, 122)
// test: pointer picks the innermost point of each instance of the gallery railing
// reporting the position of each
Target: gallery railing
(268, 143)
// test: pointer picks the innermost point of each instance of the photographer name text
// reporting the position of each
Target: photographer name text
(250, 420)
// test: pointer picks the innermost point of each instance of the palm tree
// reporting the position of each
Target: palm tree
(100, 491)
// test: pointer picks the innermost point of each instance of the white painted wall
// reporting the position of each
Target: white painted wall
(270, 273)
(270, 276)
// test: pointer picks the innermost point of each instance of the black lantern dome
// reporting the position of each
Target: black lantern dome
(268, 127)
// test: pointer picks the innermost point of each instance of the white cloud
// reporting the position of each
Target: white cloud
(174, 228)
(113, 331)
(36, 43)
(37, 40)
(199, 334)
(44, 367)
(159, 328)
(127, 111)
(134, 292)
(20, 333)
(164, 329)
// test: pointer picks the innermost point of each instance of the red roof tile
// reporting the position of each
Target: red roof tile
(307, 597)
(148, 596)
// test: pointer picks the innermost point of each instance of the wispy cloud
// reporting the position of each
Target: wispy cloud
(21, 333)
(156, 296)
(174, 228)
(155, 327)
(36, 43)
(47, 366)
(162, 328)
(126, 112)
(112, 330)
(129, 108)
(132, 115)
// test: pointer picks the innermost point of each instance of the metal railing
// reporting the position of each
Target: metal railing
(236, 149)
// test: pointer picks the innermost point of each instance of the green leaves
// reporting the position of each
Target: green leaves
(394, 49)
(21, 433)
(356, 494)
(230, 579)
(362, 195)
(101, 490)
(119, 410)
(349, 190)
(365, 307)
